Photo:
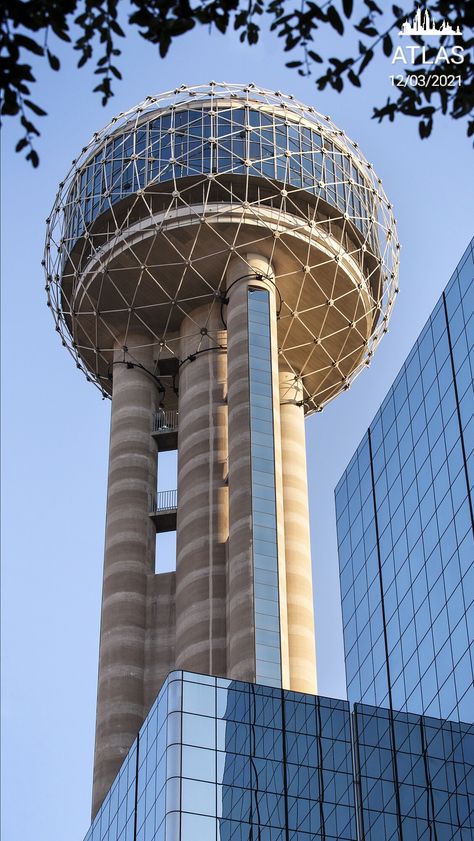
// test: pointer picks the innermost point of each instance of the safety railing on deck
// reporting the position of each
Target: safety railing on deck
(165, 421)
(163, 501)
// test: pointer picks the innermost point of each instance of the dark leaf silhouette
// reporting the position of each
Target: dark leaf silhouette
(54, 62)
(347, 6)
(354, 79)
(387, 45)
(334, 19)
(368, 56)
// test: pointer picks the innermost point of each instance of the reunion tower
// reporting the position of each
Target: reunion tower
(221, 261)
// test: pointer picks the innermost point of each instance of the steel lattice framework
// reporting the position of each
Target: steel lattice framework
(146, 221)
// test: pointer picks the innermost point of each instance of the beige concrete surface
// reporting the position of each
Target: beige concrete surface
(202, 519)
(299, 585)
(129, 559)
(160, 633)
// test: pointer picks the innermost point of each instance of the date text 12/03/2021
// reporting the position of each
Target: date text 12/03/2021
(420, 80)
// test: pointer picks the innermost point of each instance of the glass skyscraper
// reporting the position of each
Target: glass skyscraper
(222, 760)
(405, 526)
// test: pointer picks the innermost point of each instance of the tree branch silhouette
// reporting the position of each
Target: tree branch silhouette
(92, 29)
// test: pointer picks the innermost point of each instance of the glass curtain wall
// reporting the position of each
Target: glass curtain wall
(405, 526)
(238, 140)
(220, 760)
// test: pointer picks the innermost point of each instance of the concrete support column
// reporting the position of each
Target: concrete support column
(129, 557)
(202, 523)
(161, 632)
(251, 271)
(297, 538)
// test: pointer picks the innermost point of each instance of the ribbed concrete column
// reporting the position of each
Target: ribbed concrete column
(241, 620)
(202, 522)
(161, 633)
(297, 538)
(129, 556)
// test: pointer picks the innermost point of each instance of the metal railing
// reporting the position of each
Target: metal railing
(165, 421)
(163, 501)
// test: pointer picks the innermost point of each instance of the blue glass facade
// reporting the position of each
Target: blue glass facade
(262, 461)
(405, 526)
(224, 139)
(415, 776)
(220, 760)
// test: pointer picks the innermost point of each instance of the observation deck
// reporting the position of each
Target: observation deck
(160, 201)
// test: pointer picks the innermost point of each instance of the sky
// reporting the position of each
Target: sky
(56, 426)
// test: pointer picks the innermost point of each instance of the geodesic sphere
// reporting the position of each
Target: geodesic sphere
(149, 216)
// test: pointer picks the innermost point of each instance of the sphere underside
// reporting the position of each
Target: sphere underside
(126, 266)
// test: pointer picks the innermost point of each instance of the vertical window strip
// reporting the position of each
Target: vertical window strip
(262, 465)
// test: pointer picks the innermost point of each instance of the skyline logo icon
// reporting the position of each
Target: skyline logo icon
(423, 24)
